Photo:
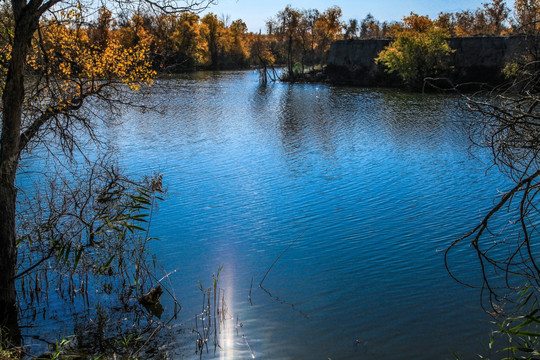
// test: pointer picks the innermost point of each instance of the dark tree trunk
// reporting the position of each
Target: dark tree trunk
(26, 22)
(290, 64)
(8, 256)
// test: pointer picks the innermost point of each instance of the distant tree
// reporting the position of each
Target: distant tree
(465, 21)
(481, 24)
(135, 30)
(99, 32)
(188, 43)
(328, 29)
(271, 26)
(417, 23)
(162, 30)
(370, 28)
(285, 27)
(309, 18)
(306, 40)
(351, 30)
(390, 30)
(497, 15)
(212, 31)
(446, 22)
(239, 52)
(527, 16)
(263, 56)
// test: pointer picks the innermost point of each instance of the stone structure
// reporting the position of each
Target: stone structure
(477, 59)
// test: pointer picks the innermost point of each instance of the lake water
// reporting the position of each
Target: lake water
(367, 185)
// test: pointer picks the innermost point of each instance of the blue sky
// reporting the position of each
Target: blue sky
(255, 13)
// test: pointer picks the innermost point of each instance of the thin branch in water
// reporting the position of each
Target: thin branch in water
(250, 288)
(249, 347)
(280, 255)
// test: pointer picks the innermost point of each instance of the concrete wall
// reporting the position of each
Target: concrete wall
(475, 59)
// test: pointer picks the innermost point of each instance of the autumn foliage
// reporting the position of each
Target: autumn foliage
(170, 43)
(419, 50)
(82, 65)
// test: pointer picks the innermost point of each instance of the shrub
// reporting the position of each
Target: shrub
(416, 55)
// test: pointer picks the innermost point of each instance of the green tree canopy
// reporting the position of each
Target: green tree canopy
(415, 55)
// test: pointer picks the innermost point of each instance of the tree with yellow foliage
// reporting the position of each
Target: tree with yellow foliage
(213, 30)
(286, 30)
(188, 41)
(496, 13)
(304, 37)
(417, 23)
(51, 66)
(239, 51)
(420, 50)
(328, 28)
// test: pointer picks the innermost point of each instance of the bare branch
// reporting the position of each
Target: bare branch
(509, 126)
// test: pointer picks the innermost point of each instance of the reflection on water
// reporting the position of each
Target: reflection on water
(376, 181)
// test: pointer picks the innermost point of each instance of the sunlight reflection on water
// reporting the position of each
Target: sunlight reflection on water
(379, 180)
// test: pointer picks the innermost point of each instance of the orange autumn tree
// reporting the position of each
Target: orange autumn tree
(328, 28)
(527, 16)
(54, 64)
(187, 40)
(64, 56)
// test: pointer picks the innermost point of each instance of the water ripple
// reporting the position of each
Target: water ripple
(378, 179)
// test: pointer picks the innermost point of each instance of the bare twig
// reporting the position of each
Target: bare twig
(280, 255)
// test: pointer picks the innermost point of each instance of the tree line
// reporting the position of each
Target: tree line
(493, 18)
(419, 47)
(296, 38)
(185, 41)
(300, 39)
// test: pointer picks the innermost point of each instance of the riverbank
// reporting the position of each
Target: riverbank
(478, 59)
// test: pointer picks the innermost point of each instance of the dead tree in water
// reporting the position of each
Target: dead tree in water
(265, 58)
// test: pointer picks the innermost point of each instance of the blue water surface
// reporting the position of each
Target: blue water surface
(369, 186)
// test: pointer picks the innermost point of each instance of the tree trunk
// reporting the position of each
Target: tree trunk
(8, 254)
(290, 59)
(26, 22)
